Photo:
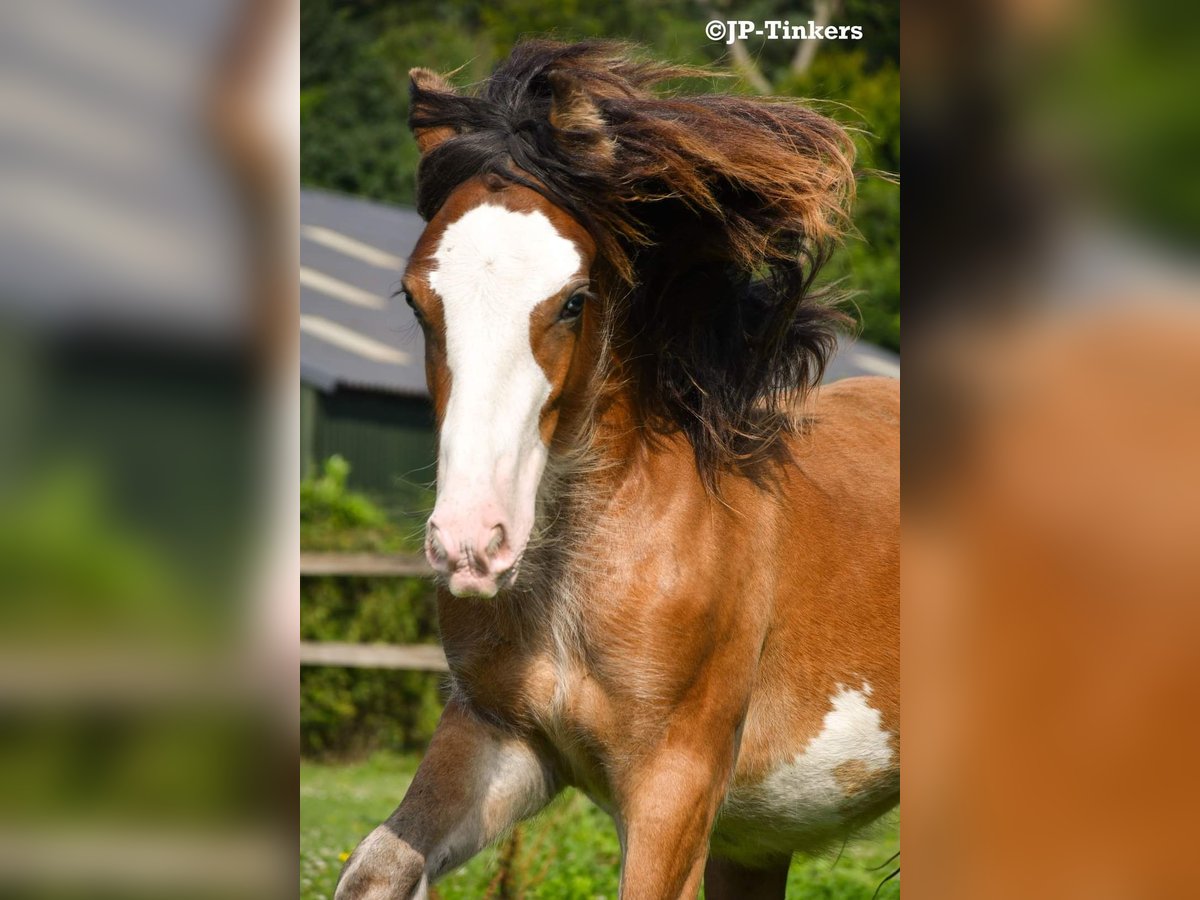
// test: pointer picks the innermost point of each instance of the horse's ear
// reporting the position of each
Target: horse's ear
(576, 117)
(423, 81)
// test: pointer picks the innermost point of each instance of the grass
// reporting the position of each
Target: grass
(569, 852)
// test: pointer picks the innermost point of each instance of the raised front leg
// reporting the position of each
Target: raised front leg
(474, 783)
(668, 819)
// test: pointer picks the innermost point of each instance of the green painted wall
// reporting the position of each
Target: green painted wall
(388, 440)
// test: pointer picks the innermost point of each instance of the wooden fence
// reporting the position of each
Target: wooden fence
(415, 657)
(399, 564)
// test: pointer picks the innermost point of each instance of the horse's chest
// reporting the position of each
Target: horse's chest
(539, 692)
(563, 704)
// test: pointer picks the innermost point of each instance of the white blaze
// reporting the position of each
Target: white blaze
(493, 267)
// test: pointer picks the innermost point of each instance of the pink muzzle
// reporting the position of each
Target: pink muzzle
(472, 550)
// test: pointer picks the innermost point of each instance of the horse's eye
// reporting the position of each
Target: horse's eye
(573, 307)
(411, 305)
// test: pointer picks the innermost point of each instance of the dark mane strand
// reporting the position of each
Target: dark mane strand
(713, 215)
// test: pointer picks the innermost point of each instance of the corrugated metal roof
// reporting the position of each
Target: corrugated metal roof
(354, 334)
(352, 253)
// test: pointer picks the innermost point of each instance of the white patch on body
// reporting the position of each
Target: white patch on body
(800, 804)
(493, 267)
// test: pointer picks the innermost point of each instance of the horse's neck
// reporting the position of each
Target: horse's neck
(597, 502)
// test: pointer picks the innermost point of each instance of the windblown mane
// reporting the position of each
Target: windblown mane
(712, 213)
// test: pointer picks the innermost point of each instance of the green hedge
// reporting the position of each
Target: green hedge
(352, 712)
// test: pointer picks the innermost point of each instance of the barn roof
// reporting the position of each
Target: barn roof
(353, 333)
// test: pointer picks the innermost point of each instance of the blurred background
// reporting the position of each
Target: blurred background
(372, 676)
(148, 158)
(1051, 624)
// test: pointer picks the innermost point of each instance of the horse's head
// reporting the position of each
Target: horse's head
(500, 284)
(706, 221)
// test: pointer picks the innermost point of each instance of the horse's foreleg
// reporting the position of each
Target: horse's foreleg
(667, 821)
(473, 784)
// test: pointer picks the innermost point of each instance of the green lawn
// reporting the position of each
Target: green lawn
(569, 852)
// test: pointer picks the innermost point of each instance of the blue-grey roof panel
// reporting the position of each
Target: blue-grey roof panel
(324, 363)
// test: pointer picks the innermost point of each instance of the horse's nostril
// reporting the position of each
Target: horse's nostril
(497, 540)
(435, 543)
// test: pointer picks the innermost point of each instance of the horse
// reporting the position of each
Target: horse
(667, 556)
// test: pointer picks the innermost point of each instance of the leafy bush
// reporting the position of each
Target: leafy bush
(75, 565)
(335, 518)
(324, 500)
(351, 712)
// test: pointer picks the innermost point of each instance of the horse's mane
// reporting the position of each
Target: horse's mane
(712, 214)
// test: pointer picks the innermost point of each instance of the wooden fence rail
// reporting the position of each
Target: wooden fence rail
(412, 657)
(396, 564)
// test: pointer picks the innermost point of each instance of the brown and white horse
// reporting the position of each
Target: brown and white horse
(670, 572)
